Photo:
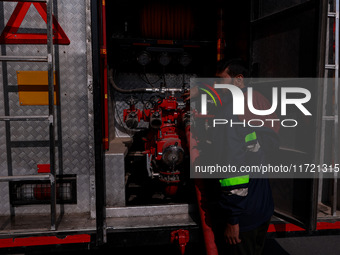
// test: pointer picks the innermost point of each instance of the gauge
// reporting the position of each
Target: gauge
(144, 58)
(164, 59)
(185, 59)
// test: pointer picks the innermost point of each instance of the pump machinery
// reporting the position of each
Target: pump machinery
(161, 145)
(165, 145)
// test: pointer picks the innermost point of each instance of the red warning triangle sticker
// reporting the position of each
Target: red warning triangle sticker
(10, 36)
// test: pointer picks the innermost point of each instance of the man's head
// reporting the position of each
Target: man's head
(234, 71)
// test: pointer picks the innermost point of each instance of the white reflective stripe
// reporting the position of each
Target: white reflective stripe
(239, 192)
(254, 147)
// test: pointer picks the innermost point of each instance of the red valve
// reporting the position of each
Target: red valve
(181, 237)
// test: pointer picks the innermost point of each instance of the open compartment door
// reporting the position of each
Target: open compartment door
(284, 44)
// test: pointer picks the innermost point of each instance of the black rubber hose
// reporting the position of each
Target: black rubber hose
(142, 90)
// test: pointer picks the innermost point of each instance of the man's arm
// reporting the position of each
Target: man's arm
(233, 202)
(234, 195)
(232, 234)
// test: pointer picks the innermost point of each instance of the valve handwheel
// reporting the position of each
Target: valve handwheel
(156, 99)
(131, 100)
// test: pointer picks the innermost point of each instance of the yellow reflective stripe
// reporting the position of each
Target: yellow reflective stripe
(250, 137)
(234, 181)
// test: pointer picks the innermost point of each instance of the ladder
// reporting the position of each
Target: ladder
(50, 118)
(330, 111)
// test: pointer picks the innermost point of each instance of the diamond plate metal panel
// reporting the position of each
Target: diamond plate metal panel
(91, 163)
(124, 223)
(115, 174)
(150, 210)
(75, 127)
(4, 208)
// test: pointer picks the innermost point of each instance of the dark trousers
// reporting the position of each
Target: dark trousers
(252, 242)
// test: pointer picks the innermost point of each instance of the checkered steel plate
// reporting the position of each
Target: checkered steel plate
(73, 112)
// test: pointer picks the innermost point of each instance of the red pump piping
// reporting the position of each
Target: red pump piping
(104, 81)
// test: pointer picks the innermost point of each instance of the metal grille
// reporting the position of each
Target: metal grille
(39, 192)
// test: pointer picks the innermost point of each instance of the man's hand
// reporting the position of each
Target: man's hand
(231, 234)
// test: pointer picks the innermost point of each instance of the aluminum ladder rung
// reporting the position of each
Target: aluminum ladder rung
(49, 59)
(328, 117)
(332, 15)
(36, 177)
(333, 67)
(24, 58)
(24, 118)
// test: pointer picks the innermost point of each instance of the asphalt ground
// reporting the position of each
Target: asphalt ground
(310, 245)
(307, 245)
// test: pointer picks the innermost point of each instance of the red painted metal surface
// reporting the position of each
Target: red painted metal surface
(288, 227)
(10, 33)
(328, 225)
(200, 187)
(43, 168)
(208, 234)
(103, 56)
(220, 35)
(43, 240)
(284, 227)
